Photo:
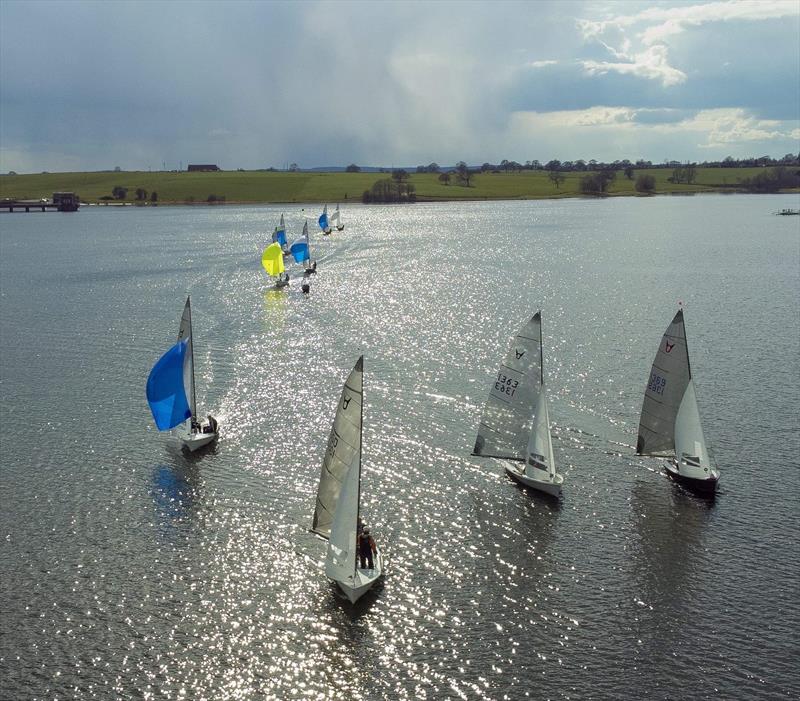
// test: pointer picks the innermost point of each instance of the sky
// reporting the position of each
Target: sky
(151, 85)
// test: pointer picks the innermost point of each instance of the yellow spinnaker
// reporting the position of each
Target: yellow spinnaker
(272, 259)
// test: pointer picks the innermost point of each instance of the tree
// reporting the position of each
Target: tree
(141, 194)
(553, 165)
(645, 183)
(629, 172)
(444, 178)
(293, 168)
(433, 167)
(119, 192)
(399, 175)
(556, 178)
(154, 196)
(462, 170)
(352, 168)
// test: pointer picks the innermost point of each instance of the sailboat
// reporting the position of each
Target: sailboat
(171, 390)
(337, 217)
(505, 430)
(323, 222)
(670, 421)
(301, 252)
(337, 511)
(279, 237)
(272, 260)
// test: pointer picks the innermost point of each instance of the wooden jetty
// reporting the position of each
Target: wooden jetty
(61, 202)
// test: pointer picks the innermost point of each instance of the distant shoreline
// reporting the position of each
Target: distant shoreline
(286, 188)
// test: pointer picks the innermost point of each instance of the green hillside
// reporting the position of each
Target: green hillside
(267, 187)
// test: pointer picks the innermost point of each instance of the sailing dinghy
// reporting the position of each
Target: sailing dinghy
(337, 217)
(171, 390)
(272, 261)
(323, 222)
(670, 422)
(279, 237)
(337, 511)
(301, 252)
(506, 431)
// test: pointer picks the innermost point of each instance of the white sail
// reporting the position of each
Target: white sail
(342, 453)
(669, 379)
(340, 560)
(540, 463)
(690, 445)
(185, 332)
(336, 216)
(505, 425)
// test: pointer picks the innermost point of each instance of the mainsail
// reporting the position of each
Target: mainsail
(185, 333)
(166, 393)
(342, 453)
(505, 426)
(669, 378)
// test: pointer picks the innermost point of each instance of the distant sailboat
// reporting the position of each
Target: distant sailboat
(337, 511)
(272, 260)
(505, 430)
(670, 421)
(279, 237)
(171, 390)
(323, 222)
(337, 217)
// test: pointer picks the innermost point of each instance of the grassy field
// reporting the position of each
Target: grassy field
(264, 187)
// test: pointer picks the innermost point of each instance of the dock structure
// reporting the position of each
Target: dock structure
(61, 202)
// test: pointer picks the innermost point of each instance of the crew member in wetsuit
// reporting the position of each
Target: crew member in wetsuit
(366, 546)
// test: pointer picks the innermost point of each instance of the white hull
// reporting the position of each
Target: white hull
(355, 586)
(198, 440)
(551, 487)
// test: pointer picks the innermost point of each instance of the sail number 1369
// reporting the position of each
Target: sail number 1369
(506, 385)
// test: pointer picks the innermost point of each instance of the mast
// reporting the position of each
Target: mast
(191, 356)
(360, 456)
(541, 351)
(688, 362)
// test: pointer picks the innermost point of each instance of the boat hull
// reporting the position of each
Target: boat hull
(355, 587)
(195, 441)
(704, 486)
(553, 488)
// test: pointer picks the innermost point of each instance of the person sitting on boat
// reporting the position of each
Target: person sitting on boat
(311, 269)
(359, 526)
(211, 426)
(366, 546)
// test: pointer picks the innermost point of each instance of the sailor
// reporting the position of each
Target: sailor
(305, 287)
(212, 424)
(366, 546)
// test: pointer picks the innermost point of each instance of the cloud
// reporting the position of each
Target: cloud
(651, 63)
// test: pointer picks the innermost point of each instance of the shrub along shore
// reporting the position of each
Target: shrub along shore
(265, 187)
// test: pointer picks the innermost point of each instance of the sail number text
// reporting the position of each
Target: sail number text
(657, 383)
(506, 385)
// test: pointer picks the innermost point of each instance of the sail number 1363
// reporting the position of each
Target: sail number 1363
(506, 385)
(657, 383)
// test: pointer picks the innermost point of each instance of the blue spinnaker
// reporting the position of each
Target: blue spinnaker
(323, 221)
(280, 237)
(166, 394)
(299, 250)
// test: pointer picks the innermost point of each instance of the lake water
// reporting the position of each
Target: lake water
(129, 569)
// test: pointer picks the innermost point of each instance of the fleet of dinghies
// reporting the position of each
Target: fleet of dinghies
(514, 427)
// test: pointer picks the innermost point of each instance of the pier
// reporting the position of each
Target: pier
(61, 202)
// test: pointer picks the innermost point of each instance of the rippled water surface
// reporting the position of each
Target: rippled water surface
(133, 570)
